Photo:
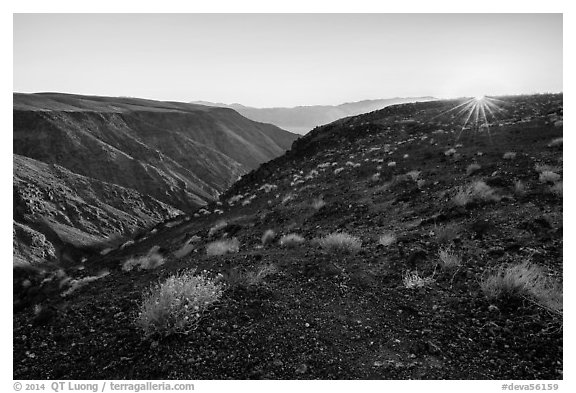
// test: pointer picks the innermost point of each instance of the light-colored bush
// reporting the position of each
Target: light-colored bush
(145, 262)
(338, 170)
(413, 280)
(509, 155)
(340, 242)
(387, 239)
(477, 191)
(318, 203)
(176, 305)
(291, 240)
(524, 280)
(221, 247)
(448, 259)
(258, 276)
(268, 236)
(472, 168)
(549, 177)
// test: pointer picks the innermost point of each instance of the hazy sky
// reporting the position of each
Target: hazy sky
(287, 59)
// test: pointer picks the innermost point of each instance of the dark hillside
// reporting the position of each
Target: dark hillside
(428, 224)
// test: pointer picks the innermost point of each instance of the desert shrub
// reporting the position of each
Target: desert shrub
(557, 142)
(176, 305)
(338, 170)
(472, 168)
(268, 236)
(478, 192)
(221, 247)
(509, 155)
(318, 203)
(387, 239)
(450, 152)
(257, 277)
(291, 240)
(413, 280)
(340, 242)
(447, 233)
(462, 198)
(268, 187)
(548, 177)
(145, 262)
(217, 228)
(449, 259)
(523, 281)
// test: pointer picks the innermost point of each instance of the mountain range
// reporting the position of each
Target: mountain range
(301, 119)
(89, 167)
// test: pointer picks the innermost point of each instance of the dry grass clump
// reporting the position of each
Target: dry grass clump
(318, 203)
(549, 177)
(413, 280)
(509, 155)
(387, 239)
(472, 168)
(449, 259)
(268, 236)
(176, 305)
(257, 277)
(478, 192)
(236, 277)
(145, 262)
(291, 240)
(221, 247)
(340, 242)
(523, 281)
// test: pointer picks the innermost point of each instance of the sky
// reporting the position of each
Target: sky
(270, 60)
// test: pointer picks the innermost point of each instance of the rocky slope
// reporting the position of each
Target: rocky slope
(54, 206)
(301, 119)
(400, 181)
(178, 155)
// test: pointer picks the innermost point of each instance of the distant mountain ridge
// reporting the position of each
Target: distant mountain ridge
(301, 119)
(178, 155)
